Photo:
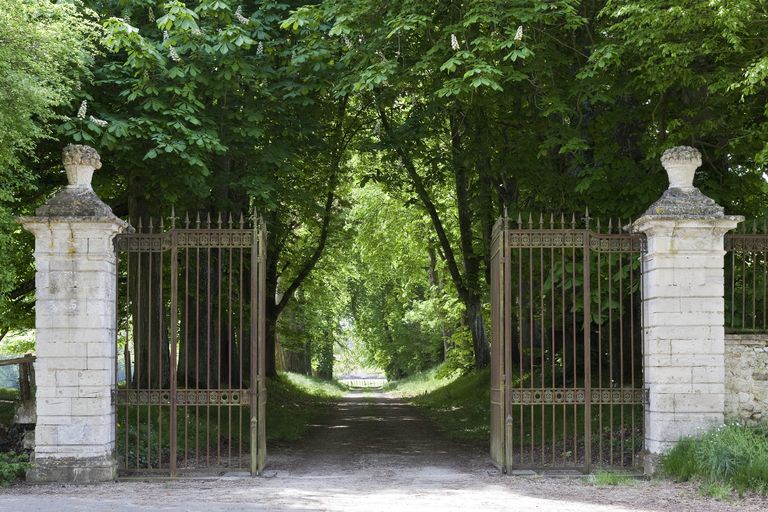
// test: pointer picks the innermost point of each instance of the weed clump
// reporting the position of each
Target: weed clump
(733, 456)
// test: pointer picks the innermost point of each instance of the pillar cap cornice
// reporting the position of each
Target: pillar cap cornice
(722, 223)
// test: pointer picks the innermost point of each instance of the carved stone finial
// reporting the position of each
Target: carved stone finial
(681, 163)
(80, 161)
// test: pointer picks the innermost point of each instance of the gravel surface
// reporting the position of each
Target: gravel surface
(372, 453)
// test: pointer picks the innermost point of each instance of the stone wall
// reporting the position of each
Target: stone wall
(746, 377)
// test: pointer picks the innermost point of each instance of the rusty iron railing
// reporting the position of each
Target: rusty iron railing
(191, 313)
(566, 379)
(26, 374)
(746, 279)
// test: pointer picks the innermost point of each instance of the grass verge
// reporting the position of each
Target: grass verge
(294, 403)
(609, 478)
(725, 459)
(459, 404)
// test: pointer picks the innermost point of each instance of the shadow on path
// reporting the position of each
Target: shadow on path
(373, 431)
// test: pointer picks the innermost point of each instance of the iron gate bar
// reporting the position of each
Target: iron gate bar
(746, 291)
(150, 389)
(534, 298)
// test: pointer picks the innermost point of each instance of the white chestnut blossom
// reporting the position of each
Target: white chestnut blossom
(519, 33)
(98, 122)
(82, 110)
(239, 15)
(260, 48)
(454, 42)
(173, 54)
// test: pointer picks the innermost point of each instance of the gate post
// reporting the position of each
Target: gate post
(75, 322)
(683, 308)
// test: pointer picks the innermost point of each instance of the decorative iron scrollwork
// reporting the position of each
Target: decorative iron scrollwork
(746, 243)
(183, 397)
(184, 239)
(573, 396)
(616, 243)
(550, 238)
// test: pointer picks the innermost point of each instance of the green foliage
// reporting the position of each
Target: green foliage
(12, 466)
(733, 456)
(46, 49)
(17, 343)
(460, 358)
(8, 397)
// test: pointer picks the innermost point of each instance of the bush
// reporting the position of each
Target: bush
(12, 466)
(733, 455)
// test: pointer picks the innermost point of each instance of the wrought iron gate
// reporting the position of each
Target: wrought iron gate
(191, 339)
(566, 382)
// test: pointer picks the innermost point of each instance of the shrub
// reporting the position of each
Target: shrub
(12, 466)
(734, 455)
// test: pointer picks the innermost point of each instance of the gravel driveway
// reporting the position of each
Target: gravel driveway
(371, 453)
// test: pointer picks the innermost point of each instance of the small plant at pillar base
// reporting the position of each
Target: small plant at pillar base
(733, 456)
(12, 466)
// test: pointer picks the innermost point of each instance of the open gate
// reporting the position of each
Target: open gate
(566, 381)
(191, 343)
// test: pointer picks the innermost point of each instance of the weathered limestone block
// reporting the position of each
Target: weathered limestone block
(683, 308)
(746, 378)
(75, 328)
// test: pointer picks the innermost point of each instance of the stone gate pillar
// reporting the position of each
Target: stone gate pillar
(75, 321)
(683, 308)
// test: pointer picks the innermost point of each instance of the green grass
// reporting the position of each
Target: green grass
(732, 457)
(460, 405)
(421, 383)
(609, 478)
(294, 402)
(717, 490)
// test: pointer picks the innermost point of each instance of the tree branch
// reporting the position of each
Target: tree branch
(421, 191)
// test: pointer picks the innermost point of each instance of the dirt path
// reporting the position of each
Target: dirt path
(371, 453)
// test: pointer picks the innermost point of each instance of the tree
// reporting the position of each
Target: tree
(45, 51)
(197, 106)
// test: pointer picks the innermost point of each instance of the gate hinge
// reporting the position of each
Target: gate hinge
(647, 397)
(113, 397)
